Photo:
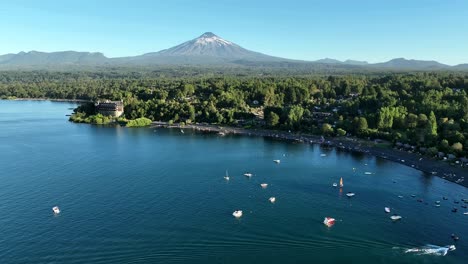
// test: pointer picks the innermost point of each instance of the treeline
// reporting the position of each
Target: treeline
(429, 110)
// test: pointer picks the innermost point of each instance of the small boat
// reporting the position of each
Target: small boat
(56, 210)
(329, 221)
(465, 213)
(395, 217)
(400, 196)
(237, 214)
(248, 174)
(368, 173)
(323, 155)
(341, 182)
(221, 133)
(454, 210)
(437, 205)
(335, 184)
(272, 199)
(277, 161)
(226, 177)
(264, 185)
(387, 209)
(437, 202)
(350, 194)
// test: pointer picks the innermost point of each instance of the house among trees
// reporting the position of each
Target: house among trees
(110, 108)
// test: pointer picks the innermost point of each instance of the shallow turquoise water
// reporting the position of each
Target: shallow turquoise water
(145, 196)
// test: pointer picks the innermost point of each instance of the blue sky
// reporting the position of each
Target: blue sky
(372, 30)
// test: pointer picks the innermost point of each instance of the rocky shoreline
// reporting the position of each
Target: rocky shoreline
(425, 164)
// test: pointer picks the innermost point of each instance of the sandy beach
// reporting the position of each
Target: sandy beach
(417, 161)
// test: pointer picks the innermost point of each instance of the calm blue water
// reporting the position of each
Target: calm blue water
(140, 196)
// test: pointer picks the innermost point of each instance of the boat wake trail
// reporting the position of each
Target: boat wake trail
(430, 250)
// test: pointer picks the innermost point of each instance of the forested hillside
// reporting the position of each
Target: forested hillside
(429, 110)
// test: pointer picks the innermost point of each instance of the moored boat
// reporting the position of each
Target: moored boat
(56, 210)
(237, 213)
(329, 221)
(395, 217)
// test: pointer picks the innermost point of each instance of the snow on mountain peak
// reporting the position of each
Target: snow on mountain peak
(208, 38)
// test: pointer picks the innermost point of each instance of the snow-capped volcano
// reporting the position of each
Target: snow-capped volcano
(211, 45)
(209, 38)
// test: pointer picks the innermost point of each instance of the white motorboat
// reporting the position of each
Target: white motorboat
(387, 209)
(56, 210)
(277, 161)
(335, 184)
(272, 199)
(264, 185)
(395, 217)
(248, 174)
(350, 194)
(237, 213)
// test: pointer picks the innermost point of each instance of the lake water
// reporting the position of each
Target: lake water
(144, 196)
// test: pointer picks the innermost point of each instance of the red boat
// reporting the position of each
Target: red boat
(328, 221)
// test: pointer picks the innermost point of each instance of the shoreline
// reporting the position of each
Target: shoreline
(48, 99)
(431, 166)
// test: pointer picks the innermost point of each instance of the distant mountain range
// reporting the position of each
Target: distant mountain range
(207, 49)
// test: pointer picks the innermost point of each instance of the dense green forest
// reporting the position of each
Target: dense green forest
(428, 110)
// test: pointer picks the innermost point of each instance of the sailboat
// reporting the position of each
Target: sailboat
(227, 176)
(341, 182)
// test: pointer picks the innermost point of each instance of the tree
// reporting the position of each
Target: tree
(411, 120)
(385, 118)
(272, 119)
(422, 120)
(444, 145)
(341, 132)
(433, 124)
(457, 147)
(360, 124)
(327, 129)
(294, 116)
(432, 151)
